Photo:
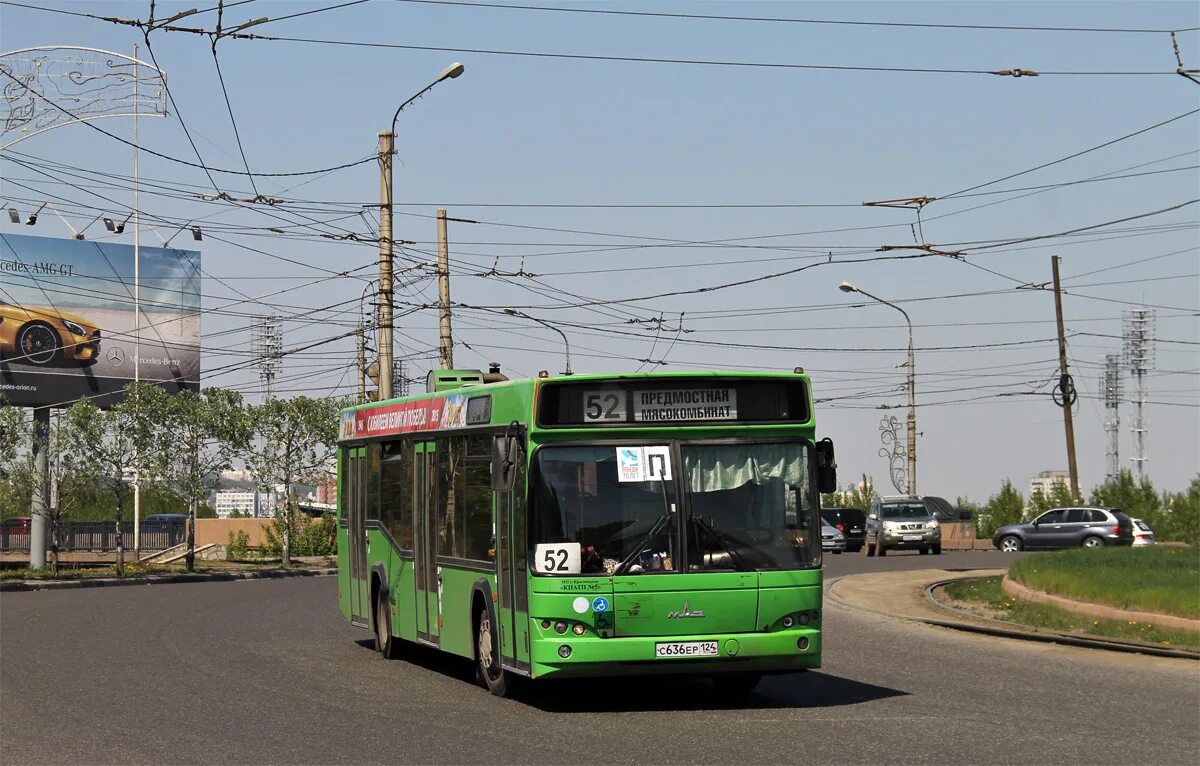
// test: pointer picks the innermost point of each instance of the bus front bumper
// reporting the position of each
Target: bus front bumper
(774, 652)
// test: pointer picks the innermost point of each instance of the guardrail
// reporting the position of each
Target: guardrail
(97, 536)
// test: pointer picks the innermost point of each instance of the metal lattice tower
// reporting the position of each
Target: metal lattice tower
(1139, 359)
(268, 345)
(1110, 385)
(399, 378)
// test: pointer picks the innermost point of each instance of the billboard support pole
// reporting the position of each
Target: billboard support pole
(137, 315)
(41, 469)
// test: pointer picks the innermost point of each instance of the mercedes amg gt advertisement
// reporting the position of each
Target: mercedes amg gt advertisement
(68, 326)
(42, 335)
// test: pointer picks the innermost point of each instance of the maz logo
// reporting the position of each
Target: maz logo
(686, 612)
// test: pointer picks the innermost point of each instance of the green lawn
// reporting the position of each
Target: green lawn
(1151, 579)
(983, 596)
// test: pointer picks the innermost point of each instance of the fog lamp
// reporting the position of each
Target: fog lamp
(564, 651)
(802, 644)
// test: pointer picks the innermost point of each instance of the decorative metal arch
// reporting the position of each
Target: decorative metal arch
(894, 451)
(51, 86)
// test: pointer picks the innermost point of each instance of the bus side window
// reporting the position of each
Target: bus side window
(370, 469)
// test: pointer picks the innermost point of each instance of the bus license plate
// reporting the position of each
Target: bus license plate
(686, 649)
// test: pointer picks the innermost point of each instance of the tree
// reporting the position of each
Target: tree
(1136, 498)
(107, 444)
(1181, 518)
(1059, 497)
(855, 497)
(200, 434)
(14, 433)
(294, 440)
(1006, 507)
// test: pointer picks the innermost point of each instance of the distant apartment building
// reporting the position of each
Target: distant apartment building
(255, 504)
(1045, 481)
(326, 492)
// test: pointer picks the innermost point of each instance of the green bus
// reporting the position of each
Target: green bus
(589, 525)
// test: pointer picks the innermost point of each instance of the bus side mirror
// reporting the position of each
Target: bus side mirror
(826, 467)
(505, 453)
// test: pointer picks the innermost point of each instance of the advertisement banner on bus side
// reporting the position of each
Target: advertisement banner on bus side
(404, 417)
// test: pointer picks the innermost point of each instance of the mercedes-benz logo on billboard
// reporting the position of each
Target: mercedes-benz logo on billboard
(116, 356)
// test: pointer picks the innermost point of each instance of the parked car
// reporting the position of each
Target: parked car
(831, 539)
(897, 522)
(851, 522)
(1091, 527)
(1142, 533)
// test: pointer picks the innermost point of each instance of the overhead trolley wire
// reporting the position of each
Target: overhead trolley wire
(784, 20)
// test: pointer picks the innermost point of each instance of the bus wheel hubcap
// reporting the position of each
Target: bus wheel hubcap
(485, 643)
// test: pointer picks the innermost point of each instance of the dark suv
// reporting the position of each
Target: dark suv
(1091, 527)
(851, 522)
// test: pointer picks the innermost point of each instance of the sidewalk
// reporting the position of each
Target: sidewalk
(902, 596)
(161, 579)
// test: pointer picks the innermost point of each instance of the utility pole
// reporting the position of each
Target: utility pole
(1065, 385)
(445, 340)
(386, 149)
(360, 341)
(40, 506)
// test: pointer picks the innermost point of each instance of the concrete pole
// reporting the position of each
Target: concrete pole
(445, 340)
(386, 149)
(912, 414)
(41, 469)
(361, 362)
(1064, 377)
(137, 314)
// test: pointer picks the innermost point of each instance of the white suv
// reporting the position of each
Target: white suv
(901, 523)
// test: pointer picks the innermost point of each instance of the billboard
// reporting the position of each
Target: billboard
(67, 322)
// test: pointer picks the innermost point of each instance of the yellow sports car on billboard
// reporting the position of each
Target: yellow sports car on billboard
(41, 335)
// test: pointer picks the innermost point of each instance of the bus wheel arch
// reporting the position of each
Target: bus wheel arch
(488, 670)
(381, 621)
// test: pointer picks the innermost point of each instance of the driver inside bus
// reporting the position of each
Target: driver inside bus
(731, 511)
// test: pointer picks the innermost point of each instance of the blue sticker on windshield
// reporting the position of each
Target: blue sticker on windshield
(600, 604)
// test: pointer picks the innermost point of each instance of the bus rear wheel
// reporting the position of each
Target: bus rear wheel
(488, 669)
(385, 642)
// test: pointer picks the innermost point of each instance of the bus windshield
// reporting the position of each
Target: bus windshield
(746, 507)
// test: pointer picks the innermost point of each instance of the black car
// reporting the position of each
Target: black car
(851, 522)
(1092, 527)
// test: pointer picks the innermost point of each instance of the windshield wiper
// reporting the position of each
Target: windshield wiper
(722, 540)
(637, 549)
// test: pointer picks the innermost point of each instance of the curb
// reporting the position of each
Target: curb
(164, 579)
(1094, 610)
(1052, 637)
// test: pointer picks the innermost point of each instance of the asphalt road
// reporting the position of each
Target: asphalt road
(266, 672)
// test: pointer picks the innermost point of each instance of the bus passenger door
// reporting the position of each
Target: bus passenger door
(425, 541)
(511, 573)
(356, 536)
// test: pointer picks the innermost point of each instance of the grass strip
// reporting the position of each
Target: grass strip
(984, 596)
(1150, 579)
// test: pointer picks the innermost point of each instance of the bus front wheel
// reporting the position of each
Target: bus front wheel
(385, 642)
(488, 669)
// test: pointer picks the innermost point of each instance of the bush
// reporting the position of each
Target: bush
(237, 548)
(310, 537)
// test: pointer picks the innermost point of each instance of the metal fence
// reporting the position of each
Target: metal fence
(97, 536)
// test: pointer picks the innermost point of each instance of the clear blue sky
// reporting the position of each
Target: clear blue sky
(519, 129)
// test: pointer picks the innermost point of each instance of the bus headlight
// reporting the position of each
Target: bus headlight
(560, 627)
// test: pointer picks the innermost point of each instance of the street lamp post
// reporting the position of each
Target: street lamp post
(566, 343)
(386, 150)
(846, 287)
